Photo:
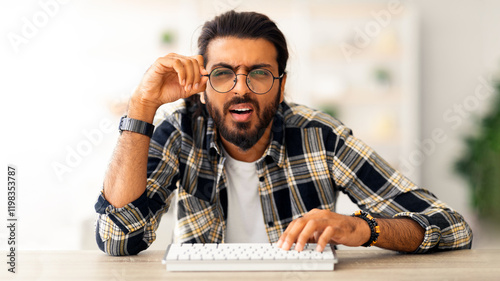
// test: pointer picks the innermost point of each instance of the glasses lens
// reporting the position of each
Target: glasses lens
(222, 79)
(260, 81)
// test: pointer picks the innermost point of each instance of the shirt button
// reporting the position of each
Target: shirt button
(261, 179)
(270, 224)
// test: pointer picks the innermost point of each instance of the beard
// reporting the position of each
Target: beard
(242, 135)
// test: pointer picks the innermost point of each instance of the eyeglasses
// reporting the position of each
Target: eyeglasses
(259, 81)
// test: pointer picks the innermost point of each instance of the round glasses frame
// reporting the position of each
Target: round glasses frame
(246, 80)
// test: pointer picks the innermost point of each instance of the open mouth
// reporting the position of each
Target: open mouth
(241, 112)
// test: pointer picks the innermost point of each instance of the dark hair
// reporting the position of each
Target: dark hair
(244, 25)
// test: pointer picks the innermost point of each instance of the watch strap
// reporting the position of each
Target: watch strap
(136, 126)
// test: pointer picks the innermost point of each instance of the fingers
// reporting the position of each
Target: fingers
(201, 63)
(190, 74)
(203, 79)
(324, 238)
(193, 75)
(313, 227)
(306, 234)
(289, 236)
(195, 70)
(305, 231)
(181, 71)
(300, 232)
(189, 71)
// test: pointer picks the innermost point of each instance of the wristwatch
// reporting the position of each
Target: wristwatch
(136, 126)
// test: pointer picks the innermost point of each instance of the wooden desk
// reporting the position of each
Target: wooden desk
(363, 265)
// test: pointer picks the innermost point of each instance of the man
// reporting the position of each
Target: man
(249, 167)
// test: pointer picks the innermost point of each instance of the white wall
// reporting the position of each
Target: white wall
(460, 45)
(62, 88)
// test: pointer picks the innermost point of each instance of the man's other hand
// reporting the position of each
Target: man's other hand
(323, 227)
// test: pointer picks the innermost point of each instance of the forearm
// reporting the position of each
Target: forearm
(400, 234)
(324, 226)
(126, 177)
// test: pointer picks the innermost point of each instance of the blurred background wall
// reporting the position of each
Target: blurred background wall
(402, 74)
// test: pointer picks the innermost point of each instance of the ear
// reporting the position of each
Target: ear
(202, 97)
(283, 82)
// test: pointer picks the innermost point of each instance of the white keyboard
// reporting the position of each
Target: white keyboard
(247, 257)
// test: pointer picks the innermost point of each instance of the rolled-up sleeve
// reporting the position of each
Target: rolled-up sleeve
(378, 188)
(121, 231)
(445, 229)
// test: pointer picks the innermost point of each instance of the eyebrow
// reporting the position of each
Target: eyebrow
(255, 66)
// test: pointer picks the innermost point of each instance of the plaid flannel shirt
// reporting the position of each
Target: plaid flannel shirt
(311, 158)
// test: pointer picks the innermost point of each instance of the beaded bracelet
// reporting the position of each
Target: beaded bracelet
(374, 228)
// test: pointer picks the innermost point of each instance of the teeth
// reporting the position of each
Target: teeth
(241, 110)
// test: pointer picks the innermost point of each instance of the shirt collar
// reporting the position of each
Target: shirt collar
(212, 144)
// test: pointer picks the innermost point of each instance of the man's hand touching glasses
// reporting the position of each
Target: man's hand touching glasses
(170, 78)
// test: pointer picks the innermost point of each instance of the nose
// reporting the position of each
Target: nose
(241, 86)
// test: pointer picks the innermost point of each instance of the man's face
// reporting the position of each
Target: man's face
(241, 116)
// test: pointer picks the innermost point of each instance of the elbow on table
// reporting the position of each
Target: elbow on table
(458, 238)
(131, 246)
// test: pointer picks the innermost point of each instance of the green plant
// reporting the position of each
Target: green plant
(329, 109)
(480, 164)
(168, 37)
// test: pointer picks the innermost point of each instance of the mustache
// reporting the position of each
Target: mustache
(241, 99)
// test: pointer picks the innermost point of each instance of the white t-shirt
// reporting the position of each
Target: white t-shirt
(245, 219)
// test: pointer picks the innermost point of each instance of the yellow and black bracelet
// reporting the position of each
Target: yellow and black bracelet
(374, 228)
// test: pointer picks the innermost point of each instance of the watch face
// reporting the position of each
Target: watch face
(120, 126)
